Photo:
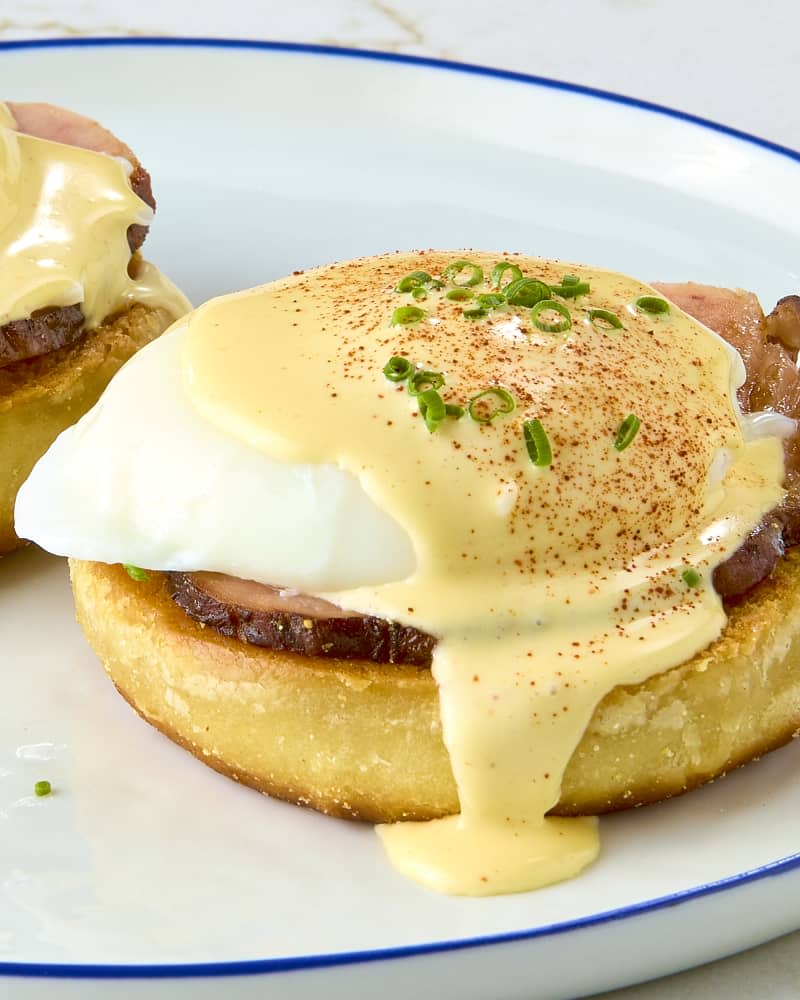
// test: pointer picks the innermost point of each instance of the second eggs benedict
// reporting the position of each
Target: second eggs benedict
(76, 297)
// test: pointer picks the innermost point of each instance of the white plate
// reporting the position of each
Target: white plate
(145, 865)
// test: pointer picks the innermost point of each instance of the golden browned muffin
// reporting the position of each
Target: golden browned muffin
(363, 739)
(41, 396)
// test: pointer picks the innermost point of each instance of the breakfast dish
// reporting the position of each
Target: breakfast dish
(143, 864)
(447, 500)
(76, 297)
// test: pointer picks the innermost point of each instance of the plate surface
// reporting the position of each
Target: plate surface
(146, 865)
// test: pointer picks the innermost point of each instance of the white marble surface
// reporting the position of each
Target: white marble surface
(727, 60)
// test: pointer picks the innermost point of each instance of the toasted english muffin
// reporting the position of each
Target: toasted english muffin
(359, 739)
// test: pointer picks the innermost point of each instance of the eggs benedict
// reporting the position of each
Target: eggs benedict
(76, 297)
(430, 539)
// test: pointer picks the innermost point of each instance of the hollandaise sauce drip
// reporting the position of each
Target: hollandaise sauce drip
(547, 584)
(64, 217)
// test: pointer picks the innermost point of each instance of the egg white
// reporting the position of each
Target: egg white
(143, 479)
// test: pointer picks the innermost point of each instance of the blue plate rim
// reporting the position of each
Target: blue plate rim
(473, 69)
(298, 963)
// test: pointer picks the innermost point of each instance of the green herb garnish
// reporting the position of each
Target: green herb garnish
(432, 408)
(614, 322)
(628, 430)
(484, 303)
(459, 294)
(417, 279)
(551, 326)
(422, 380)
(475, 276)
(490, 404)
(136, 573)
(571, 290)
(42, 788)
(526, 292)
(691, 578)
(652, 304)
(406, 315)
(397, 369)
(537, 443)
(500, 269)
(491, 300)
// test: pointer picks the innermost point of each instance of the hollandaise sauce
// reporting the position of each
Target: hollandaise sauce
(564, 450)
(64, 217)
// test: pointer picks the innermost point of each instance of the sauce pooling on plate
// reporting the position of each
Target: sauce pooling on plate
(563, 449)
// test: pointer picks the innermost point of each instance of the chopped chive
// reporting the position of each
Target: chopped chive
(397, 369)
(484, 304)
(491, 300)
(420, 381)
(537, 443)
(406, 315)
(432, 408)
(551, 326)
(460, 294)
(452, 410)
(526, 292)
(652, 304)
(413, 281)
(612, 321)
(42, 788)
(496, 279)
(628, 430)
(570, 279)
(484, 412)
(475, 273)
(691, 578)
(419, 294)
(572, 290)
(136, 573)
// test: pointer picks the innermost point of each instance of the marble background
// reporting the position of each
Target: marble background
(726, 60)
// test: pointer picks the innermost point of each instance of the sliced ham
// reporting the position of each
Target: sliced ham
(285, 620)
(752, 562)
(783, 324)
(45, 331)
(769, 346)
(47, 121)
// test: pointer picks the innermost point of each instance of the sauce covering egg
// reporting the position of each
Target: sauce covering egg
(546, 491)
(64, 217)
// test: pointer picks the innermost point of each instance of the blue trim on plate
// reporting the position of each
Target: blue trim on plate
(296, 964)
(396, 57)
(267, 965)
